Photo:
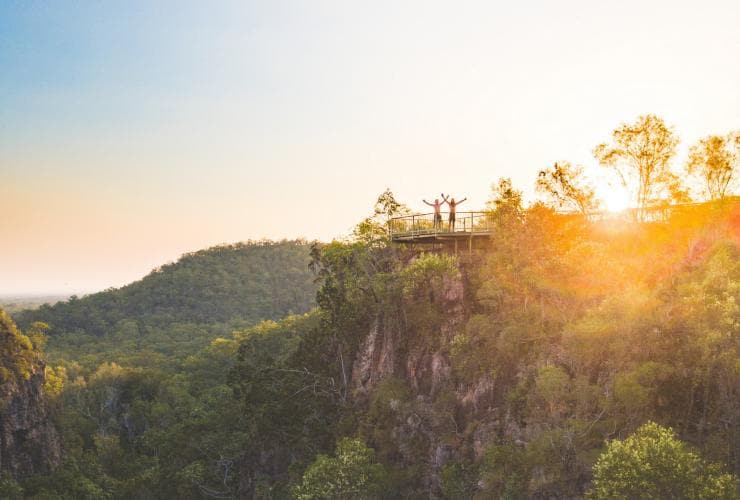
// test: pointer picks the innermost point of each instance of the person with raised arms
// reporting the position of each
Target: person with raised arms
(437, 211)
(453, 206)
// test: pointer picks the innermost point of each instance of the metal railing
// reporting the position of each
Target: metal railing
(420, 225)
(409, 227)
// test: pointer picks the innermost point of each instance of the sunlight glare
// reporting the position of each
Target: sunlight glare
(615, 199)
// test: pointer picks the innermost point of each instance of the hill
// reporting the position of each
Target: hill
(514, 371)
(249, 281)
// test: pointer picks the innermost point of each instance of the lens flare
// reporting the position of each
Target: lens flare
(616, 199)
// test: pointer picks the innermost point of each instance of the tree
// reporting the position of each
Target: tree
(714, 160)
(506, 205)
(562, 183)
(17, 354)
(351, 474)
(652, 463)
(640, 154)
(373, 230)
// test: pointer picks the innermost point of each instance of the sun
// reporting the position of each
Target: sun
(615, 198)
(609, 191)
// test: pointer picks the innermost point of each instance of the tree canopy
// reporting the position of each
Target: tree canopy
(250, 281)
(653, 464)
(640, 153)
(568, 354)
(715, 160)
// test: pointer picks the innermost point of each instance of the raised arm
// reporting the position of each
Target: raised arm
(430, 204)
(445, 198)
(461, 201)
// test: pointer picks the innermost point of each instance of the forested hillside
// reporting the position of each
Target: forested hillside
(504, 373)
(248, 281)
(577, 354)
(138, 375)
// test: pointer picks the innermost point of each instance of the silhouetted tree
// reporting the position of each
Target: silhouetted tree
(714, 159)
(640, 154)
(564, 185)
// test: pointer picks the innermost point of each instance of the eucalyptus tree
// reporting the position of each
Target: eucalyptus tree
(563, 184)
(714, 160)
(640, 153)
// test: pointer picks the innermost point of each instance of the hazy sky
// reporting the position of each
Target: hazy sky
(131, 132)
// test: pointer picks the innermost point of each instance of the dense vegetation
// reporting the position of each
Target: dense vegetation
(248, 281)
(578, 333)
(652, 463)
(17, 352)
(130, 368)
(573, 356)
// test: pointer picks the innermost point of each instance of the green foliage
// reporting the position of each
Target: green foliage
(512, 366)
(459, 480)
(503, 472)
(506, 205)
(55, 380)
(150, 405)
(552, 389)
(636, 390)
(9, 487)
(17, 353)
(155, 410)
(248, 281)
(390, 403)
(37, 333)
(373, 230)
(351, 474)
(133, 431)
(652, 463)
(357, 282)
(289, 407)
(462, 354)
(153, 407)
(427, 274)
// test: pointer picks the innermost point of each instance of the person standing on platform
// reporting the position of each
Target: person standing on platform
(453, 206)
(437, 211)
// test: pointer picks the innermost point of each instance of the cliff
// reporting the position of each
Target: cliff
(505, 377)
(426, 423)
(29, 441)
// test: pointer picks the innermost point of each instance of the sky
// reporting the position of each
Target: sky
(134, 131)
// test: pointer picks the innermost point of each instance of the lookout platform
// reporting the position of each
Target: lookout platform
(420, 228)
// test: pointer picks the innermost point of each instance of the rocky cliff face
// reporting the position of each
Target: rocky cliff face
(442, 421)
(29, 441)
(422, 364)
(421, 360)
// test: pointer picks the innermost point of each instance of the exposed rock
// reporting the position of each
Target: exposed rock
(482, 437)
(476, 396)
(423, 362)
(426, 371)
(441, 370)
(29, 441)
(376, 359)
